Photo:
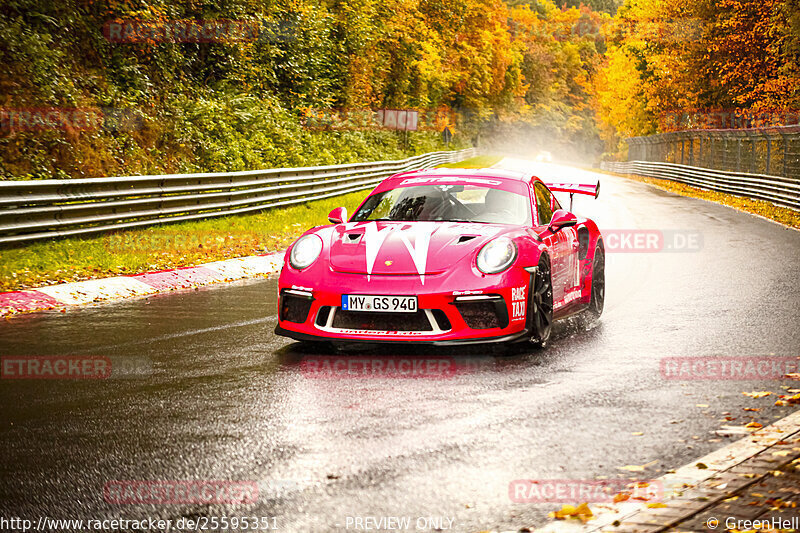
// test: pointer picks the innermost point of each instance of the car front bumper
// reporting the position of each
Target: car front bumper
(493, 309)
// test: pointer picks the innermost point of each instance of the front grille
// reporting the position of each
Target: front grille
(441, 319)
(367, 321)
(484, 314)
(295, 308)
(322, 316)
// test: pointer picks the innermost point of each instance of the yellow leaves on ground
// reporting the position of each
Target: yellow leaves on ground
(788, 400)
(636, 468)
(581, 512)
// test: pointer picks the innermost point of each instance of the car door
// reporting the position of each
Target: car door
(570, 260)
(557, 243)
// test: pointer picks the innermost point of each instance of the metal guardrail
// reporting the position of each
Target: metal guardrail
(776, 189)
(41, 209)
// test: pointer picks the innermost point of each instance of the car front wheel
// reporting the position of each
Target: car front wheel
(541, 305)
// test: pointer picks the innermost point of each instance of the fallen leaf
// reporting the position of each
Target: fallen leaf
(757, 394)
(701, 466)
(656, 505)
(754, 425)
(755, 409)
(788, 400)
(581, 512)
(637, 433)
(636, 468)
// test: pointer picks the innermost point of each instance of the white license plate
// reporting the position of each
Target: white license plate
(383, 304)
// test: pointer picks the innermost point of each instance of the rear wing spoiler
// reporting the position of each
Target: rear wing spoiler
(590, 189)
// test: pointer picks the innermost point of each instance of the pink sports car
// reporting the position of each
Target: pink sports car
(445, 256)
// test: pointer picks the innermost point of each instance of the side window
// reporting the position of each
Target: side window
(554, 203)
(543, 199)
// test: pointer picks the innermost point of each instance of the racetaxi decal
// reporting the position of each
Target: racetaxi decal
(519, 299)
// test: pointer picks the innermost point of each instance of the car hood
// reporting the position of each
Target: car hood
(405, 248)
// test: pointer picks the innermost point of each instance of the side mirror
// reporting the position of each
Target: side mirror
(561, 219)
(338, 215)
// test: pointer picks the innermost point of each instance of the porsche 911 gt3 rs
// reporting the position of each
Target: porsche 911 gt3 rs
(445, 256)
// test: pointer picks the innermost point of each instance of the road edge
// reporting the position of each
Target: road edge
(688, 489)
(79, 293)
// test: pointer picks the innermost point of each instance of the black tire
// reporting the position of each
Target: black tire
(598, 297)
(540, 308)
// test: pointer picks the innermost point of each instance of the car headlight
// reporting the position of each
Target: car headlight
(497, 255)
(305, 251)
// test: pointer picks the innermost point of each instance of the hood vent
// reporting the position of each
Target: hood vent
(465, 238)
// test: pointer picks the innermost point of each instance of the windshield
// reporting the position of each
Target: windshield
(458, 203)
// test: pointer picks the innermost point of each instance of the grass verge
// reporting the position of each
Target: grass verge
(479, 161)
(783, 215)
(164, 246)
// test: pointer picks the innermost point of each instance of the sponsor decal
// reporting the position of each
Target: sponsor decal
(519, 300)
(379, 333)
(573, 295)
(449, 179)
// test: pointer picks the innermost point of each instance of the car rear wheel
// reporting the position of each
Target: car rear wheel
(598, 284)
(541, 305)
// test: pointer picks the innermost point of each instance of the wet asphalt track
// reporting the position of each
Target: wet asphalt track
(211, 394)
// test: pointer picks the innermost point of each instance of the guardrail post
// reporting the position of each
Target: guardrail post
(769, 150)
(700, 149)
(785, 154)
(738, 155)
